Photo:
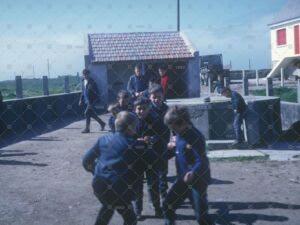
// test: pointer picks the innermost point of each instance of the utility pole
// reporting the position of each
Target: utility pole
(33, 72)
(48, 68)
(178, 15)
(249, 64)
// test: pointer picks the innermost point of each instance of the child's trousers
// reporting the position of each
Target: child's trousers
(179, 192)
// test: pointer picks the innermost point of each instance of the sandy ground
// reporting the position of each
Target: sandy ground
(42, 182)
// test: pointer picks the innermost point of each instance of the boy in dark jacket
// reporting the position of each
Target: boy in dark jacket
(152, 131)
(193, 167)
(138, 83)
(239, 108)
(125, 101)
(89, 97)
(115, 160)
(114, 109)
(159, 108)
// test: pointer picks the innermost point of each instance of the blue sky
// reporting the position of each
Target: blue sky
(34, 31)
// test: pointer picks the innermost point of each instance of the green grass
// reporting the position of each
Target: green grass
(33, 87)
(285, 94)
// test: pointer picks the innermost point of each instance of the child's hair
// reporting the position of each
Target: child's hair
(138, 66)
(124, 120)
(141, 101)
(163, 67)
(113, 108)
(177, 115)
(124, 94)
(85, 71)
(154, 88)
(225, 90)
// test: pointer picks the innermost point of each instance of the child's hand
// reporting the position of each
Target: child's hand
(146, 139)
(188, 146)
(171, 145)
(188, 177)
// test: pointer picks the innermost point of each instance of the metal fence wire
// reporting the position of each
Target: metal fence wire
(213, 119)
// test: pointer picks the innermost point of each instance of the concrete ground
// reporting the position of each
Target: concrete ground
(42, 182)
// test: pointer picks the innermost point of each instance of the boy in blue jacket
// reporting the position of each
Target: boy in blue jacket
(159, 108)
(115, 160)
(193, 167)
(152, 131)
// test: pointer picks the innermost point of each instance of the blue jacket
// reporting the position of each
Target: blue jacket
(160, 111)
(159, 134)
(137, 84)
(238, 103)
(193, 159)
(115, 157)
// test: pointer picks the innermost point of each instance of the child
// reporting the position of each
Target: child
(114, 109)
(164, 79)
(239, 108)
(125, 101)
(151, 130)
(159, 108)
(114, 182)
(193, 167)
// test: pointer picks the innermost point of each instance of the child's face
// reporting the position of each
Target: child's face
(161, 72)
(123, 101)
(137, 71)
(157, 98)
(142, 111)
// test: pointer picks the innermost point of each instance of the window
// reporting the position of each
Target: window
(281, 37)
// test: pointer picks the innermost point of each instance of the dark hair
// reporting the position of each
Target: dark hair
(163, 67)
(86, 72)
(124, 94)
(225, 89)
(141, 101)
(177, 115)
(138, 66)
(154, 88)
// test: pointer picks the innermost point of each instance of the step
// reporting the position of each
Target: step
(224, 144)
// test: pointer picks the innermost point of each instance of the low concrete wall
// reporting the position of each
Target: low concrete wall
(290, 113)
(214, 119)
(38, 113)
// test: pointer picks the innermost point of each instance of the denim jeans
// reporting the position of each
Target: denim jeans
(237, 123)
(179, 191)
(112, 199)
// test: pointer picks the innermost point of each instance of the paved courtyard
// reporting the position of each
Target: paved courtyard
(42, 182)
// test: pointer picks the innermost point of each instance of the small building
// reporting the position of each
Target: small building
(285, 40)
(112, 56)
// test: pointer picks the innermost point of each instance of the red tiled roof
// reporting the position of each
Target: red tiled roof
(109, 47)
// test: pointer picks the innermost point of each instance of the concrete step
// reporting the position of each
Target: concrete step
(224, 144)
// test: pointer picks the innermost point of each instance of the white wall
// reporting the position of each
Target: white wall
(282, 51)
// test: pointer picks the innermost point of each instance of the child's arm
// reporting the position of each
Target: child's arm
(89, 158)
(197, 147)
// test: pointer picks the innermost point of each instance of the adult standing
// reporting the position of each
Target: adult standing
(89, 97)
(138, 83)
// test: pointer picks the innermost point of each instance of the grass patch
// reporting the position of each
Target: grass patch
(240, 159)
(285, 94)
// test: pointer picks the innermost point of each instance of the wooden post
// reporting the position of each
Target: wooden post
(227, 82)
(298, 89)
(45, 85)
(67, 84)
(257, 77)
(281, 77)
(269, 87)
(19, 87)
(209, 84)
(245, 84)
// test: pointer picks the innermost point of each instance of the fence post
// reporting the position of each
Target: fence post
(298, 89)
(45, 85)
(67, 84)
(19, 87)
(257, 77)
(209, 84)
(245, 84)
(281, 77)
(227, 82)
(269, 87)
